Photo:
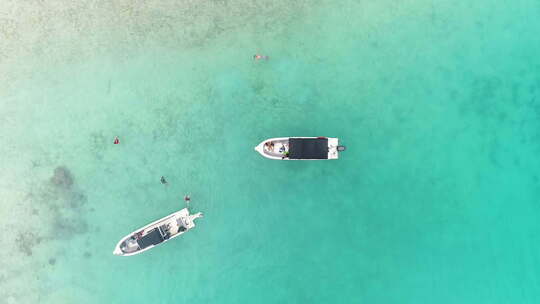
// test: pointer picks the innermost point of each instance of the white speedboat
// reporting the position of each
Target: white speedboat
(300, 148)
(158, 232)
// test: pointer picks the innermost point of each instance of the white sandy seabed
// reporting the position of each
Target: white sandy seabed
(43, 206)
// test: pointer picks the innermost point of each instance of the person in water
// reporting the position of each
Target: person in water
(260, 57)
(163, 180)
(116, 140)
(187, 198)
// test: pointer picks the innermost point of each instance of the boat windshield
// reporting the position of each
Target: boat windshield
(130, 245)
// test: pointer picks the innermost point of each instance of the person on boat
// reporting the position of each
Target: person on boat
(269, 146)
(116, 140)
(163, 180)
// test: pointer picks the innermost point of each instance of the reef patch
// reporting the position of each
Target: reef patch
(58, 205)
(62, 178)
(65, 228)
(26, 241)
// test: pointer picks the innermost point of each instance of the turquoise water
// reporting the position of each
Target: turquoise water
(435, 199)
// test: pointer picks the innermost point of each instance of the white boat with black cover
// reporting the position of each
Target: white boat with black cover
(158, 232)
(300, 148)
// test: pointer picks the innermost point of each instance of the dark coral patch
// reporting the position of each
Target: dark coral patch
(62, 178)
(76, 200)
(65, 228)
(26, 242)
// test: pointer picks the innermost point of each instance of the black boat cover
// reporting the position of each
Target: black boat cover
(151, 238)
(308, 148)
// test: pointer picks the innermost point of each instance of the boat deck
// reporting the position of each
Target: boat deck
(300, 148)
(157, 232)
(308, 148)
(276, 148)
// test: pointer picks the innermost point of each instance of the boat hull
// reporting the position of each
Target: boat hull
(282, 148)
(133, 243)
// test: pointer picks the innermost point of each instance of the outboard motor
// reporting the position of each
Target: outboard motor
(341, 148)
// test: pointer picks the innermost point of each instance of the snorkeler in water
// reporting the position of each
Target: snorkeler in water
(163, 180)
(260, 57)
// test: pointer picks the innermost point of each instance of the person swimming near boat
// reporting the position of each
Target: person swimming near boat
(163, 180)
(260, 57)
(187, 198)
